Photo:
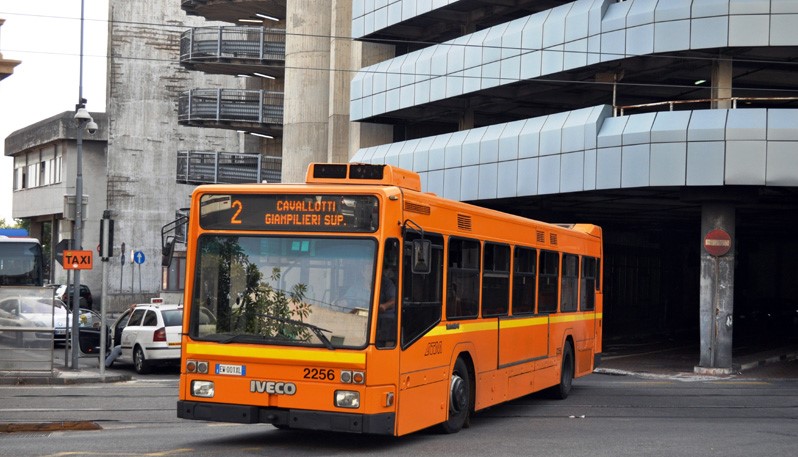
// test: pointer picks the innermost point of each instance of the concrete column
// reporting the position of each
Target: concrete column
(722, 84)
(340, 81)
(717, 292)
(307, 86)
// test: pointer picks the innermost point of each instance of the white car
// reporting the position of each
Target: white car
(150, 335)
(47, 312)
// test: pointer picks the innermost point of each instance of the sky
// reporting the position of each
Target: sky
(45, 36)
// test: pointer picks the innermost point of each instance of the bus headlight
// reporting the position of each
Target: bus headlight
(347, 399)
(202, 389)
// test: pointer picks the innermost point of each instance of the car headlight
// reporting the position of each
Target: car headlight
(202, 389)
(347, 399)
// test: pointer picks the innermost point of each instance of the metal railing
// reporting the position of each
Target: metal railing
(231, 105)
(204, 44)
(619, 110)
(212, 167)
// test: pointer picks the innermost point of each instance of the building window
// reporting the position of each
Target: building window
(174, 276)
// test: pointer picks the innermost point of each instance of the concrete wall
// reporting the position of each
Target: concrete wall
(144, 81)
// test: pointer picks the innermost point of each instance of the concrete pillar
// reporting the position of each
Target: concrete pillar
(340, 81)
(717, 292)
(722, 84)
(307, 86)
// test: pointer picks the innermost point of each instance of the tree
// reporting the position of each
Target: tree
(267, 310)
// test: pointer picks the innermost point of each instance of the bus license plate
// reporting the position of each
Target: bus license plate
(233, 370)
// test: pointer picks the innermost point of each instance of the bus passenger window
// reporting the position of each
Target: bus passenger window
(524, 278)
(495, 280)
(462, 292)
(549, 277)
(570, 281)
(589, 285)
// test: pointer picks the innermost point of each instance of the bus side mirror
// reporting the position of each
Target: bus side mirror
(167, 251)
(422, 251)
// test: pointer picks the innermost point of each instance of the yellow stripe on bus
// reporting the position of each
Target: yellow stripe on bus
(325, 355)
(463, 327)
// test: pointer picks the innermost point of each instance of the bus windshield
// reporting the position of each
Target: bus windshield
(283, 290)
(20, 262)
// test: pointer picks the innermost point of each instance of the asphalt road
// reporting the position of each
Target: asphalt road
(605, 416)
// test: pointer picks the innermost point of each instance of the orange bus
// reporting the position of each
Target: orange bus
(357, 303)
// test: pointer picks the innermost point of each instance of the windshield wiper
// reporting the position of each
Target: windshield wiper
(243, 336)
(318, 331)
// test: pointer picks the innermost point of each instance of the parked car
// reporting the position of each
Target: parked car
(11, 332)
(63, 292)
(47, 312)
(149, 335)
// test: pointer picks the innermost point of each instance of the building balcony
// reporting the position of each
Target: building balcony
(234, 50)
(234, 10)
(256, 111)
(209, 167)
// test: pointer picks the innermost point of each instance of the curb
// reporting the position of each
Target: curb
(59, 378)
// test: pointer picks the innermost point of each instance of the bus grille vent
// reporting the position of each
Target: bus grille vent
(417, 208)
(553, 238)
(541, 237)
(464, 222)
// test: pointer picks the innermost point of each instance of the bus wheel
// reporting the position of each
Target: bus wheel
(459, 399)
(562, 390)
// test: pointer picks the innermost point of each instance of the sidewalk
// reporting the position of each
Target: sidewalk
(88, 372)
(680, 358)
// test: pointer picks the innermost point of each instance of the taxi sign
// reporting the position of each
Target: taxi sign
(78, 260)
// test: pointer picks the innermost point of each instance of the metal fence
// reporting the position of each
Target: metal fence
(231, 105)
(212, 167)
(232, 43)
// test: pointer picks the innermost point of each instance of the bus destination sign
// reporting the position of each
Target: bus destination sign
(289, 212)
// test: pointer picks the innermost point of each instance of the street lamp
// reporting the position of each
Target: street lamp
(84, 121)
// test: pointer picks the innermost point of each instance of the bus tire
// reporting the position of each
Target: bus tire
(459, 413)
(139, 361)
(562, 390)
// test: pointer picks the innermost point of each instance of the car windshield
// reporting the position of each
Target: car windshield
(283, 290)
(38, 306)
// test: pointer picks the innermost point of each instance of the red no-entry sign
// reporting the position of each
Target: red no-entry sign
(717, 242)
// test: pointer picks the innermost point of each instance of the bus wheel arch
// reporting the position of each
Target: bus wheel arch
(461, 395)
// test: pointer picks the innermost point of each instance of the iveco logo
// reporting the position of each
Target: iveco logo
(272, 387)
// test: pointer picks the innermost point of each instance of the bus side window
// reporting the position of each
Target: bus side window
(462, 293)
(589, 285)
(569, 282)
(524, 278)
(495, 280)
(549, 277)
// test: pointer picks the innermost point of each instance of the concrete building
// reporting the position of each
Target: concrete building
(198, 92)
(662, 121)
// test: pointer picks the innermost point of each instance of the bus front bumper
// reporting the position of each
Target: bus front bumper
(379, 424)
